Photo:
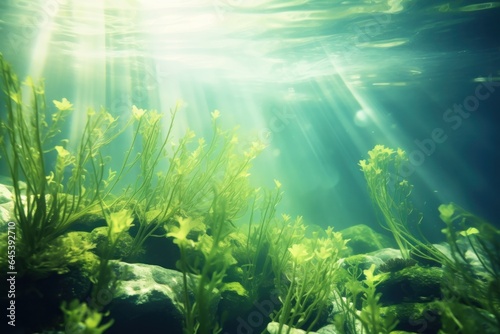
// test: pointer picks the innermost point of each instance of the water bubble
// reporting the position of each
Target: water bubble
(361, 118)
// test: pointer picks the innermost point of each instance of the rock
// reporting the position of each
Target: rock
(328, 329)
(235, 300)
(397, 264)
(412, 284)
(99, 237)
(273, 328)
(148, 297)
(4, 219)
(415, 317)
(6, 207)
(361, 261)
(387, 254)
(364, 239)
(5, 194)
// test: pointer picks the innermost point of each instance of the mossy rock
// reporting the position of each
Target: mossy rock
(361, 261)
(99, 237)
(415, 317)
(148, 297)
(413, 284)
(363, 239)
(234, 300)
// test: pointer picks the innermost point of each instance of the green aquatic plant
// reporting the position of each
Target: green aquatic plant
(207, 189)
(186, 183)
(80, 318)
(472, 280)
(371, 317)
(54, 196)
(355, 290)
(105, 281)
(310, 266)
(67, 251)
(192, 188)
(256, 265)
(389, 194)
(145, 195)
(472, 274)
(203, 277)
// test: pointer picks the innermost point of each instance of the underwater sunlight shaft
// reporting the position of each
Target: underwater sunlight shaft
(320, 82)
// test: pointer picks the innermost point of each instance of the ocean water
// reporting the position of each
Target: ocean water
(320, 82)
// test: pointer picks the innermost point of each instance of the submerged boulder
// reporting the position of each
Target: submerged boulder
(274, 328)
(6, 207)
(5, 194)
(363, 239)
(148, 298)
(415, 317)
(412, 284)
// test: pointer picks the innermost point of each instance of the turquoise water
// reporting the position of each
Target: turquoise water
(320, 82)
(180, 240)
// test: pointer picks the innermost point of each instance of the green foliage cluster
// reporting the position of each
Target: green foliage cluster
(303, 269)
(310, 266)
(472, 294)
(204, 276)
(217, 178)
(197, 192)
(472, 283)
(191, 188)
(390, 195)
(394, 265)
(66, 251)
(80, 318)
(55, 196)
(370, 315)
(178, 184)
(186, 184)
(102, 275)
(256, 264)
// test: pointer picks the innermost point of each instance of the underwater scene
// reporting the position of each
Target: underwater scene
(249, 166)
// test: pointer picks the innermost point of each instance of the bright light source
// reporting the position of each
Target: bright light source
(360, 118)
